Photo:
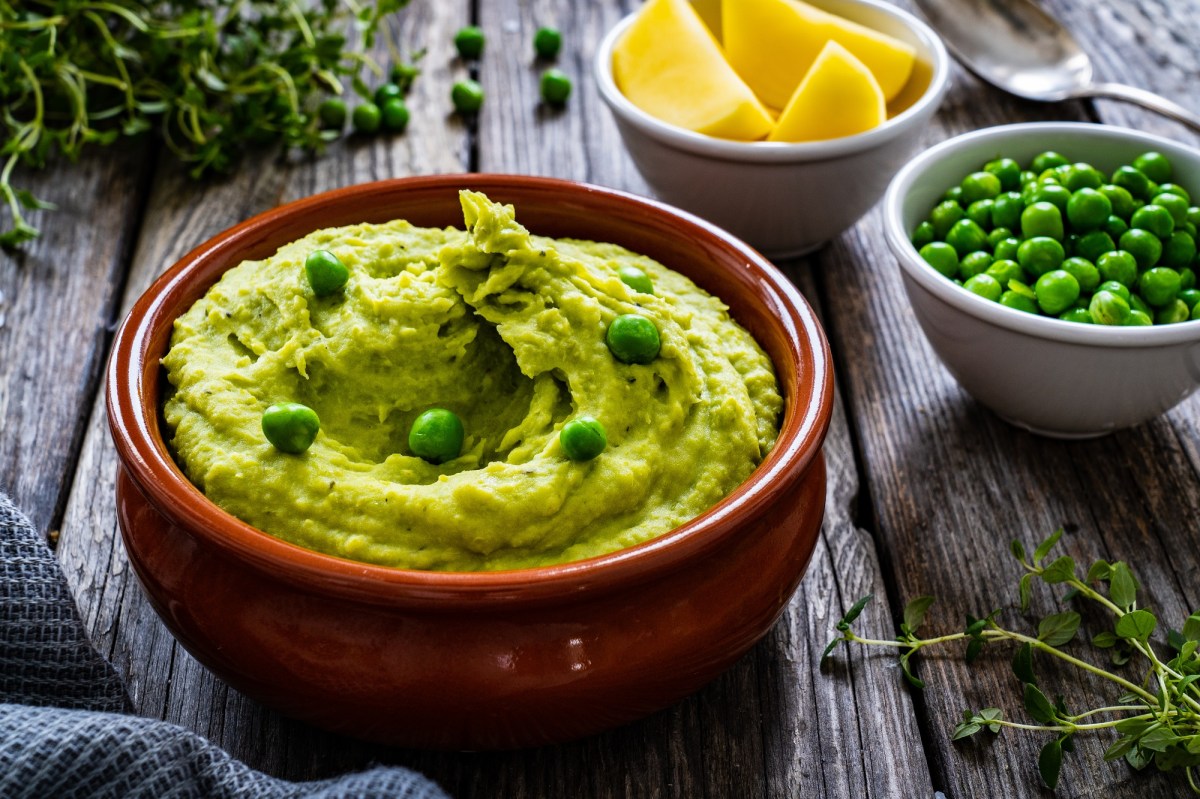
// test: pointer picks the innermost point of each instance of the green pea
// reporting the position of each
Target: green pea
(1040, 255)
(923, 234)
(979, 186)
(1084, 272)
(395, 115)
(326, 272)
(1018, 302)
(469, 42)
(332, 113)
(1004, 271)
(1094, 244)
(1006, 210)
(1121, 199)
(1187, 278)
(290, 426)
(944, 216)
(1188, 228)
(997, 235)
(1138, 319)
(1007, 170)
(1118, 265)
(1006, 249)
(1115, 227)
(1054, 194)
(1028, 176)
(1136, 303)
(1107, 308)
(1179, 251)
(966, 236)
(1042, 219)
(974, 263)
(980, 212)
(555, 87)
(467, 96)
(1134, 181)
(1088, 209)
(942, 257)
(1196, 312)
(1145, 247)
(1175, 205)
(1048, 160)
(1083, 176)
(582, 439)
(436, 436)
(1159, 286)
(632, 338)
(953, 194)
(1176, 189)
(366, 118)
(1154, 218)
(1120, 289)
(1175, 311)
(403, 75)
(1056, 291)
(547, 42)
(1189, 297)
(636, 279)
(1080, 315)
(1155, 166)
(388, 91)
(985, 286)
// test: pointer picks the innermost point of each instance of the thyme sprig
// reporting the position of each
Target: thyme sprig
(1156, 718)
(213, 77)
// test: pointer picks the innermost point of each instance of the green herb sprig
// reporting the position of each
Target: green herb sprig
(1156, 718)
(214, 77)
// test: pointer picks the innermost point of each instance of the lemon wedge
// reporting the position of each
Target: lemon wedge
(838, 97)
(669, 65)
(773, 43)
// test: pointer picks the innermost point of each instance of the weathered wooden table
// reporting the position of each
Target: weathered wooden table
(926, 487)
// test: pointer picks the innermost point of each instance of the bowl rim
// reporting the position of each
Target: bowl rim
(777, 152)
(987, 139)
(132, 401)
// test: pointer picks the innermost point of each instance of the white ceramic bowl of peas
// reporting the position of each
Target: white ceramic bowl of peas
(1053, 377)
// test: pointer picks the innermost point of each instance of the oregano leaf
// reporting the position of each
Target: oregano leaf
(1050, 763)
(1060, 570)
(1100, 570)
(1058, 628)
(857, 608)
(1138, 758)
(965, 730)
(1158, 739)
(830, 647)
(1037, 705)
(1044, 548)
(1104, 640)
(1191, 627)
(1017, 549)
(974, 648)
(1025, 589)
(914, 612)
(913, 679)
(1122, 586)
(1119, 748)
(1022, 664)
(1137, 625)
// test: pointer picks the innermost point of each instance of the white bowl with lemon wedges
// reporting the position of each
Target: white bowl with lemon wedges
(781, 121)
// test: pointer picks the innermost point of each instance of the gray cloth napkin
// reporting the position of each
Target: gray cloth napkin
(63, 728)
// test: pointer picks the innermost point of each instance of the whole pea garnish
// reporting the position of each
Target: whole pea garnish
(985, 286)
(1042, 219)
(1108, 308)
(633, 339)
(366, 118)
(1159, 286)
(395, 115)
(1088, 209)
(467, 96)
(1056, 291)
(583, 438)
(388, 91)
(1047, 160)
(555, 86)
(1172, 312)
(332, 113)
(942, 257)
(1180, 250)
(1145, 247)
(326, 272)
(469, 42)
(436, 436)
(1117, 265)
(290, 426)
(547, 42)
(636, 279)
(1156, 166)
(1040, 254)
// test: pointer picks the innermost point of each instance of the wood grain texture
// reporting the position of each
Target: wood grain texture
(951, 484)
(56, 300)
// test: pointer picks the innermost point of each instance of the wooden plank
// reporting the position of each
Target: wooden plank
(951, 483)
(164, 681)
(56, 298)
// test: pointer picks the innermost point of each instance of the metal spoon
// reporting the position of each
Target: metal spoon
(1016, 46)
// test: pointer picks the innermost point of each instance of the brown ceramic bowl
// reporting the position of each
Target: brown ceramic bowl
(476, 660)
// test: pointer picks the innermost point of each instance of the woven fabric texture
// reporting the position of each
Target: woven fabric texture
(63, 731)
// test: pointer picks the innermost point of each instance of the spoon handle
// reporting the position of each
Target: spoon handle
(1132, 94)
